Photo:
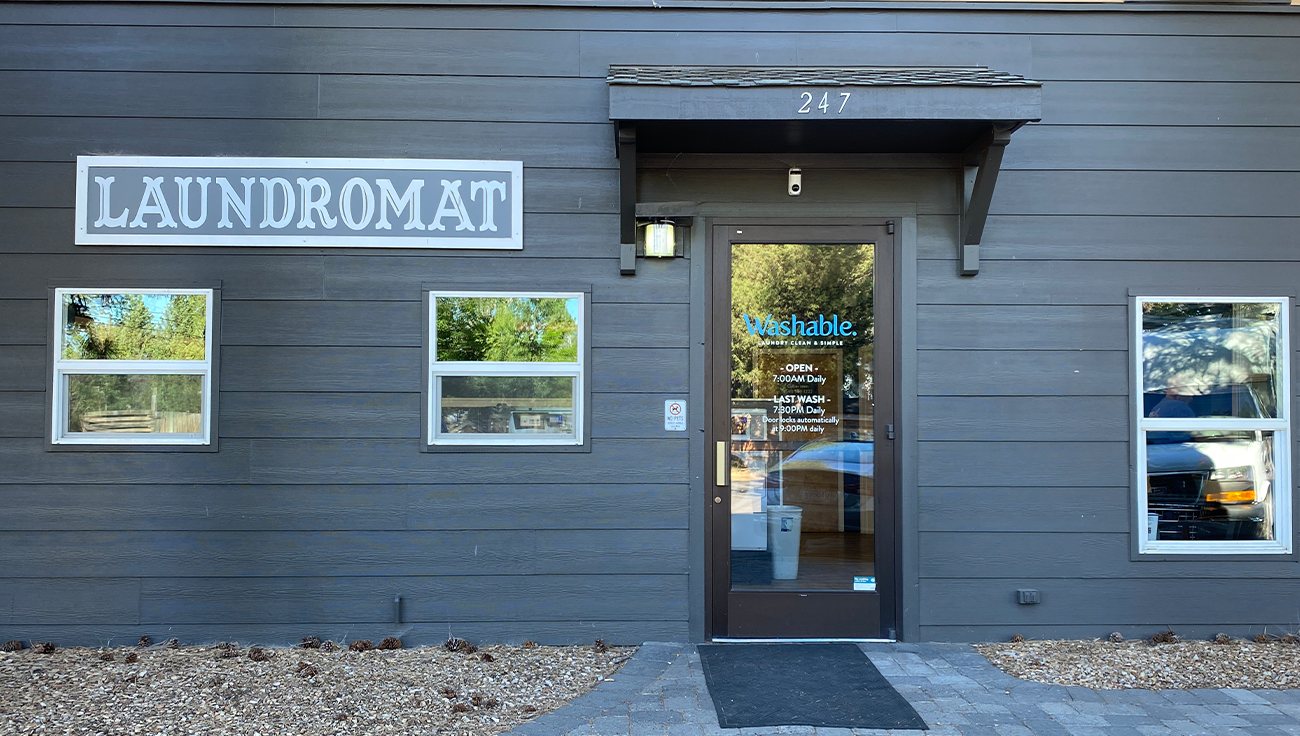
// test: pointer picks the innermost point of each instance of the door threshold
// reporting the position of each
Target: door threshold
(802, 641)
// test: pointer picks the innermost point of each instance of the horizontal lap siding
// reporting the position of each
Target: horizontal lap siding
(319, 507)
(1164, 164)
(1167, 148)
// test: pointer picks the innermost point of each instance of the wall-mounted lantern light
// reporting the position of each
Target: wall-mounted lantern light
(660, 239)
(656, 237)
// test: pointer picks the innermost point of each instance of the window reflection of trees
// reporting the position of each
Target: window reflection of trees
(804, 280)
(506, 329)
(135, 327)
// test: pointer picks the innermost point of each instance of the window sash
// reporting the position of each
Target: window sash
(1281, 492)
(468, 368)
(66, 437)
(64, 367)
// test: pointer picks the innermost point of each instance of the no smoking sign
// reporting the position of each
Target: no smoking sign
(675, 415)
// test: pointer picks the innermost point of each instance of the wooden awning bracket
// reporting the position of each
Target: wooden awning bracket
(626, 151)
(981, 161)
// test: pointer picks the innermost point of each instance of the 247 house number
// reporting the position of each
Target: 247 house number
(825, 104)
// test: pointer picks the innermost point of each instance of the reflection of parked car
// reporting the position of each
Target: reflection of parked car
(1211, 484)
(852, 457)
(541, 421)
(833, 482)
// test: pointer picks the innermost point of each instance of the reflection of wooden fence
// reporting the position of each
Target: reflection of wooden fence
(163, 422)
(469, 403)
(179, 422)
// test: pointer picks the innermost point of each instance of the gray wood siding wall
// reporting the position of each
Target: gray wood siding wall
(1165, 150)
(1167, 161)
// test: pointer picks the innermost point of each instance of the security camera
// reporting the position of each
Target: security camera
(795, 185)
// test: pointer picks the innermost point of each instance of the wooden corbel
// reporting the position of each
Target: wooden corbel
(981, 161)
(626, 151)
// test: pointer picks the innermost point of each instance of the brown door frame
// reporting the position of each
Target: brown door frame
(717, 391)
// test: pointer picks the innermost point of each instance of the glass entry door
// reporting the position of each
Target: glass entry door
(802, 485)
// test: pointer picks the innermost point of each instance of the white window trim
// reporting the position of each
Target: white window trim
(65, 367)
(1280, 426)
(438, 369)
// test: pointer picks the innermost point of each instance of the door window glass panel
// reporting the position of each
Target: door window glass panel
(1213, 426)
(802, 417)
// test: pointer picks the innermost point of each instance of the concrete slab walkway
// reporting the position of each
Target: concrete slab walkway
(662, 692)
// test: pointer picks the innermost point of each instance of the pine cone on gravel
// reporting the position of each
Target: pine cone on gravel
(391, 642)
(448, 692)
(1166, 637)
(530, 644)
(1262, 638)
(460, 708)
(1222, 639)
(173, 643)
(459, 645)
(144, 642)
(229, 653)
(1290, 639)
(13, 645)
(362, 645)
(1116, 637)
(106, 656)
(43, 647)
(328, 646)
(487, 657)
(311, 642)
(530, 709)
(257, 655)
(130, 658)
(307, 670)
(1017, 638)
(601, 647)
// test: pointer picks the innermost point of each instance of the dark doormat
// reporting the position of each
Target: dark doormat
(831, 684)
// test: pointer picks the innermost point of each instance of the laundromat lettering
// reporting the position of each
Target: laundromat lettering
(820, 326)
(312, 200)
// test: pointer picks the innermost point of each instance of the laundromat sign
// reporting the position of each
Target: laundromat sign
(374, 203)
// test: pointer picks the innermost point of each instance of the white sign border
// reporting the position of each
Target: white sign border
(514, 168)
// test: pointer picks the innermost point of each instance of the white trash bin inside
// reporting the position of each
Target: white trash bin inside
(783, 539)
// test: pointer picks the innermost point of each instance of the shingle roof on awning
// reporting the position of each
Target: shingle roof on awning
(777, 76)
(737, 93)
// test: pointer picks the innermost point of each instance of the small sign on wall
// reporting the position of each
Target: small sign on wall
(331, 202)
(675, 415)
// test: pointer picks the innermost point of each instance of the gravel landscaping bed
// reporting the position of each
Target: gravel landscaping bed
(1106, 665)
(241, 690)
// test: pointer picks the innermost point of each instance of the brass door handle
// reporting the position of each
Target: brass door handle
(722, 464)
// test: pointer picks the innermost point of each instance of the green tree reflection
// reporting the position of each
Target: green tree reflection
(803, 280)
(135, 327)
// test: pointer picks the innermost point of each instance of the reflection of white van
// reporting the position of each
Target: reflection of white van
(541, 421)
(1211, 484)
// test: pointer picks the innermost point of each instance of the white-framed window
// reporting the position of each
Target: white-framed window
(506, 368)
(1213, 425)
(132, 367)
